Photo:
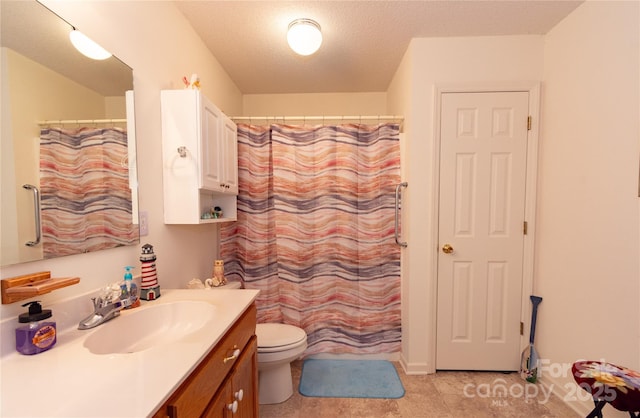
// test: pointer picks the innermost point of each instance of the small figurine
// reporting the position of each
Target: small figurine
(195, 284)
(218, 272)
(216, 212)
(212, 282)
(149, 288)
(193, 83)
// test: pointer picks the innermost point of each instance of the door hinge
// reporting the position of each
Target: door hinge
(528, 123)
(521, 328)
(525, 227)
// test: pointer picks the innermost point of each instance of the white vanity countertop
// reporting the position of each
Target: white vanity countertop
(69, 381)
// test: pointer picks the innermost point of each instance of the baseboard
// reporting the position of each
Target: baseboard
(414, 368)
(566, 391)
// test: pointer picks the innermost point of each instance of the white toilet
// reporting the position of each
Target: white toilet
(278, 346)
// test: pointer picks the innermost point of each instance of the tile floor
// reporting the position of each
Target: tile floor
(436, 395)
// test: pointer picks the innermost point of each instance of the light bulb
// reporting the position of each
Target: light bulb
(304, 36)
(88, 47)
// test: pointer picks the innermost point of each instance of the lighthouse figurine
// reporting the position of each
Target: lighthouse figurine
(149, 288)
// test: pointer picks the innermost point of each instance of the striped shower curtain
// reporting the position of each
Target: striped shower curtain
(85, 195)
(315, 232)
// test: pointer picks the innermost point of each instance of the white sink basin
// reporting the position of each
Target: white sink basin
(150, 326)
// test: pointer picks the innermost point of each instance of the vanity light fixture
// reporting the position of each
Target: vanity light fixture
(304, 36)
(87, 47)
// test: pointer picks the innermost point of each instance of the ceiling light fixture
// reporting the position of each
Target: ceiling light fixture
(304, 36)
(87, 47)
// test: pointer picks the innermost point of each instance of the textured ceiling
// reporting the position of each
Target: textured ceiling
(364, 41)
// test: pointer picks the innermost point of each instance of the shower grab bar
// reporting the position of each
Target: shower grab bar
(36, 209)
(398, 187)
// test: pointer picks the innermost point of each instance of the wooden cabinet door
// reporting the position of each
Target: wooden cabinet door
(238, 396)
(220, 407)
(244, 382)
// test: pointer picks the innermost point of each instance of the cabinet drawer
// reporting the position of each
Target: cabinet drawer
(193, 396)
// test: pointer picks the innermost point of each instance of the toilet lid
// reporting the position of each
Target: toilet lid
(278, 335)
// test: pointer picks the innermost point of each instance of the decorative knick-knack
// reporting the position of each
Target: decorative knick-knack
(218, 272)
(149, 288)
(193, 83)
(195, 284)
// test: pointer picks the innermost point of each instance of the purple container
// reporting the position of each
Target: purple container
(36, 335)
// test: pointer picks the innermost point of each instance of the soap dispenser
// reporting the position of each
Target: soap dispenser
(37, 335)
(129, 288)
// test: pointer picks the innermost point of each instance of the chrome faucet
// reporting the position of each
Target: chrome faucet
(103, 311)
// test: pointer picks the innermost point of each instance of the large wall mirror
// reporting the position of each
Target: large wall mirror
(68, 172)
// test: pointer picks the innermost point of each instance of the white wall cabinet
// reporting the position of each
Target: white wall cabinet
(200, 157)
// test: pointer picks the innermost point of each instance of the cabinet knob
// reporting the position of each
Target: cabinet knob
(239, 395)
(233, 407)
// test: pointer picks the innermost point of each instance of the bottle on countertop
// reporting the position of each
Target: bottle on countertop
(37, 334)
(129, 288)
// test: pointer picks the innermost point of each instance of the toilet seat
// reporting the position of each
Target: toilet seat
(279, 337)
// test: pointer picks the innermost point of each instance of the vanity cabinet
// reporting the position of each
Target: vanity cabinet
(237, 396)
(225, 383)
(200, 159)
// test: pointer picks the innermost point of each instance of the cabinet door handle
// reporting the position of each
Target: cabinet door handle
(233, 356)
(233, 407)
(239, 395)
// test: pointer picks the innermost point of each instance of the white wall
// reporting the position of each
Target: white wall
(588, 252)
(399, 101)
(315, 104)
(587, 264)
(428, 64)
(157, 42)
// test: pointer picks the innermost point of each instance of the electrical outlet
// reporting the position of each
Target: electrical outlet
(144, 223)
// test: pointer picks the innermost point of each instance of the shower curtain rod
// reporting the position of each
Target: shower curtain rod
(79, 121)
(317, 118)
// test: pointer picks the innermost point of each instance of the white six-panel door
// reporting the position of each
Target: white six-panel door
(483, 147)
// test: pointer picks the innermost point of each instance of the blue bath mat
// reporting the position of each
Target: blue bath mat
(350, 379)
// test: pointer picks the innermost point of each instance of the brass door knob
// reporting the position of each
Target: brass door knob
(447, 249)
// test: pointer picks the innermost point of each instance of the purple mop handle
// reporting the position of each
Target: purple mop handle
(536, 301)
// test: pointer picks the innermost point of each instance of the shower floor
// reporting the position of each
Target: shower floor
(437, 395)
